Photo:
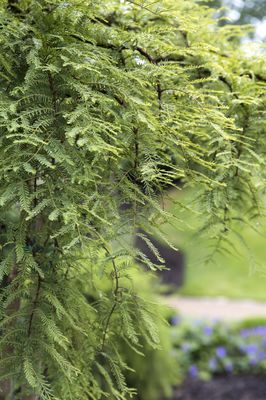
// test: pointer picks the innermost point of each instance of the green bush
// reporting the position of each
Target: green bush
(148, 365)
(251, 322)
(155, 370)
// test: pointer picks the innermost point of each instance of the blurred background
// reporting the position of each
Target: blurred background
(238, 269)
(244, 12)
(217, 293)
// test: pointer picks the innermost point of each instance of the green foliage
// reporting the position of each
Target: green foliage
(158, 372)
(252, 322)
(104, 103)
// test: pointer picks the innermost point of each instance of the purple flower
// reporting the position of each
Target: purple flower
(213, 364)
(193, 371)
(261, 355)
(253, 353)
(260, 330)
(251, 348)
(221, 352)
(207, 330)
(244, 333)
(175, 320)
(257, 331)
(253, 361)
(228, 366)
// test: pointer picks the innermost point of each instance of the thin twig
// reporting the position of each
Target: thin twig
(34, 305)
(115, 292)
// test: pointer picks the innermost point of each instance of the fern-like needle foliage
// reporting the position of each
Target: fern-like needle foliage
(104, 103)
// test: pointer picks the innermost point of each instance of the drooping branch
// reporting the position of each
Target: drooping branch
(115, 294)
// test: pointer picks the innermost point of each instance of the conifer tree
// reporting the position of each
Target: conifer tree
(104, 103)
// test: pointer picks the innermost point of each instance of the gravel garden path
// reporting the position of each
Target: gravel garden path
(217, 308)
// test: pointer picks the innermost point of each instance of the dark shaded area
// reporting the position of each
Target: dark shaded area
(174, 271)
(245, 387)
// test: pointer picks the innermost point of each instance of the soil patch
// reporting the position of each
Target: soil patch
(224, 388)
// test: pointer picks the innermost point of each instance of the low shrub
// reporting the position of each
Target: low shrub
(252, 322)
(207, 349)
(155, 371)
(146, 360)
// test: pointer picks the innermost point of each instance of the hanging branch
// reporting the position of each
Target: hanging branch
(115, 294)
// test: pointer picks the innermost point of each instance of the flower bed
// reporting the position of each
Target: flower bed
(205, 350)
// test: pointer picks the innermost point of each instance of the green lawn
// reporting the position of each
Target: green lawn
(235, 275)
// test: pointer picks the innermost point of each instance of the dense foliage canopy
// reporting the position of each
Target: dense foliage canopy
(104, 103)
